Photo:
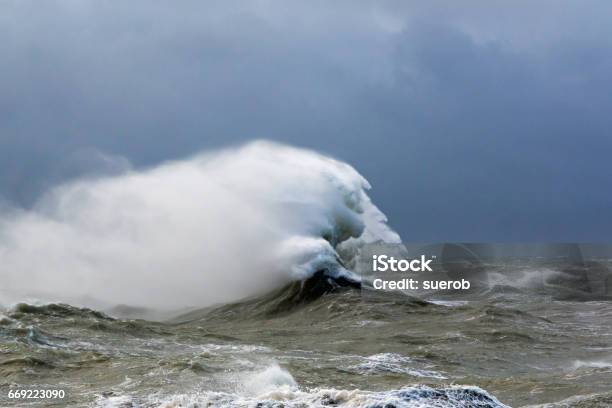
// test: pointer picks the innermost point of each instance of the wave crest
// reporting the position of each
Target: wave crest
(214, 228)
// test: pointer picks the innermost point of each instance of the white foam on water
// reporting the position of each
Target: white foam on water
(270, 381)
(598, 364)
(448, 303)
(273, 386)
(213, 228)
(393, 363)
(408, 397)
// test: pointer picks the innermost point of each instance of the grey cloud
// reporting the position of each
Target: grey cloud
(477, 122)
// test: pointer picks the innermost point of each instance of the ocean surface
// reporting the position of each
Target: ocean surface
(323, 342)
(238, 278)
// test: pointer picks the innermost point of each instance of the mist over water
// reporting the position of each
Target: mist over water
(212, 228)
(224, 225)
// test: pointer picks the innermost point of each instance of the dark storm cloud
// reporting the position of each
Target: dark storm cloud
(487, 121)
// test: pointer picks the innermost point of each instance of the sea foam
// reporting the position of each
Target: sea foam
(212, 228)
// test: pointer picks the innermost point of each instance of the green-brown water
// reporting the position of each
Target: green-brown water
(304, 344)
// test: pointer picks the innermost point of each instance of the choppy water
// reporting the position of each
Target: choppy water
(226, 225)
(318, 343)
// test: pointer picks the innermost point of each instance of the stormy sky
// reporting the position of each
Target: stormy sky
(473, 120)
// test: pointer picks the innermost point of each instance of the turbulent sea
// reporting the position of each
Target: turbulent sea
(233, 279)
(320, 342)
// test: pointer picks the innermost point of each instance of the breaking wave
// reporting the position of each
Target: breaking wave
(409, 397)
(214, 228)
(275, 387)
